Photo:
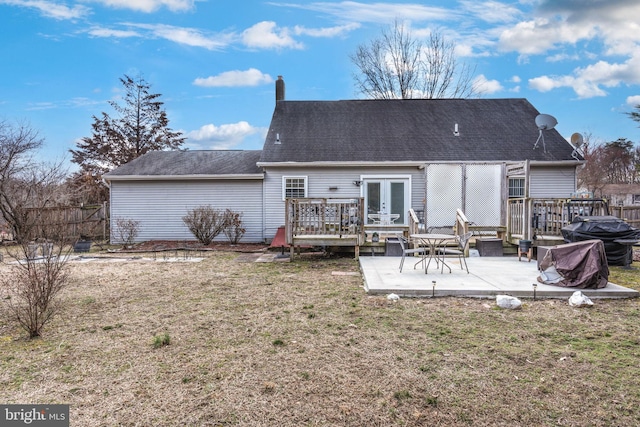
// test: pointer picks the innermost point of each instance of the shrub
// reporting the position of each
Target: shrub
(34, 284)
(233, 226)
(205, 223)
(127, 230)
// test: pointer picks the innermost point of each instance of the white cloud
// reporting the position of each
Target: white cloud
(379, 12)
(267, 35)
(185, 35)
(546, 83)
(148, 6)
(540, 35)
(491, 11)
(109, 32)
(51, 9)
(485, 86)
(583, 88)
(633, 100)
(557, 23)
(515, 79)
(250, 77)
(221, 137)
(588, 82)
(325, 32)
(560, 57)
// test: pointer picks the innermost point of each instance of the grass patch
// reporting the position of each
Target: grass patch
(291, 344)
(161, 340)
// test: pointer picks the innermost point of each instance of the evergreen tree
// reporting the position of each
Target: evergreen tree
(141, 126)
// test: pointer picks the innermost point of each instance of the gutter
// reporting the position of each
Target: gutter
(182, 177)
(420, 164)
(556, 163)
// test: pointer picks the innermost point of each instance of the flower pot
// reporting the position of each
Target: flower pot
(82, 246)
(525, 245)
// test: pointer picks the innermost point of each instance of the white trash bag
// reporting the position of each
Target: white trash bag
(507, 301)
(578, 299)
(393, 297)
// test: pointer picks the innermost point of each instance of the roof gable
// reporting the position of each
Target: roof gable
(416, 130)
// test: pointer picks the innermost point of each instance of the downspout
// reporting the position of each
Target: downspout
(424, 199)
(526, 221)
(108, 214)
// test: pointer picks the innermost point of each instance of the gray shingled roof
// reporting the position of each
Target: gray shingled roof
(176, 163)
(409, 130)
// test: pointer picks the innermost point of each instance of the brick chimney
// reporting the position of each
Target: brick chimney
(279, 89)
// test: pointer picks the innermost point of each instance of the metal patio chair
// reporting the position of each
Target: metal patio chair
(463, 242)
(406, 250)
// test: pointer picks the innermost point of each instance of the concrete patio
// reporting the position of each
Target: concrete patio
(487, 277)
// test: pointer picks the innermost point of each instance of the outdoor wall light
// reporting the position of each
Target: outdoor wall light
(357, 183)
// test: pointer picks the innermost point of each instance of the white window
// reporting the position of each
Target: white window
(636, 199)
(294, 187)
(516, 187)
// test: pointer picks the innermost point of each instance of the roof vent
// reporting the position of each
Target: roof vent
(455, 130)
(277, 139)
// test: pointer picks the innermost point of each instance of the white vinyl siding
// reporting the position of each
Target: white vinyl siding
(553, 182)
(160, 205)
(331, 183)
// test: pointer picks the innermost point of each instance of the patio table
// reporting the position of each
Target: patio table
(435, 241)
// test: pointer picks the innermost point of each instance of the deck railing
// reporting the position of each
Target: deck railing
(324, 217)
(528, 217)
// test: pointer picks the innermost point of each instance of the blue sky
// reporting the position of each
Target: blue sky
(215, 62)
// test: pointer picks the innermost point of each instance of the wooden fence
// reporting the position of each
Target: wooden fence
(73, 222)
(631, 214)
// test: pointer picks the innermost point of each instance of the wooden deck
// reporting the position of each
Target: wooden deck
(339, 223)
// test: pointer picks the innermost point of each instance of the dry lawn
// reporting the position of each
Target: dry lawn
(301, 344)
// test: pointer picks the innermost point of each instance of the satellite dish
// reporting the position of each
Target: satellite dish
(544, 122)
(577, 140)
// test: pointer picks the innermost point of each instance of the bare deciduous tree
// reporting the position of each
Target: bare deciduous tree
(592, 175)
(36, 280)
(26, 186)
(398, 66)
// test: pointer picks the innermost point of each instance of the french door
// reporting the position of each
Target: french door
(387, 198)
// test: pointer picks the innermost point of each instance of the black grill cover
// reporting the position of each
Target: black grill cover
(605, 228)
